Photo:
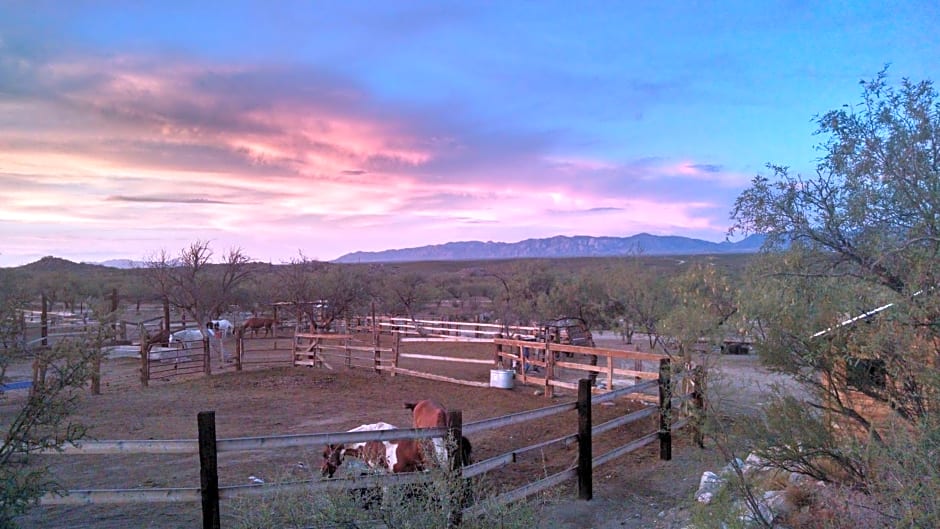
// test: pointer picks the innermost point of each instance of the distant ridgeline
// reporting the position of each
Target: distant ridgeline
(580, 246)
(553, 247)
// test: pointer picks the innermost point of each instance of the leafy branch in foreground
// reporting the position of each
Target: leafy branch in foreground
(44, 421)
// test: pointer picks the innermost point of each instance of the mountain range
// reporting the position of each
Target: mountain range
(552, 247)
(559, 246)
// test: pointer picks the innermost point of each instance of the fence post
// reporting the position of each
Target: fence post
(395, 349)
(239, 348)
(208, 470)
(454, 439)
(317, 352)
(698, 406)
(498, 354)
(144, 357)
(295, 345)
(610, 372)
(377, 352)
(376, 343)
(585, 451)
(550, 370)
(206, 356)
(44, 321)
(454, 444)
(665, 410)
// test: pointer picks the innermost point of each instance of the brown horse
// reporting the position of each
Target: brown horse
(430, 414)
(256, 323)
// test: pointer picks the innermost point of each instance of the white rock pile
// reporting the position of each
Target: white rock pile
(773, 504)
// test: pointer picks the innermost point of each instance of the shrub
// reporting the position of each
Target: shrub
(414, 506)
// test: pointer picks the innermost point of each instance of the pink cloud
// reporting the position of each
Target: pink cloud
(165, 153)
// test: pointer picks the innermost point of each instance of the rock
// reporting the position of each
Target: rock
(753, 463)
(795, 478)
(779, 503)
(732, 466)
(756, 460)
(708, 485)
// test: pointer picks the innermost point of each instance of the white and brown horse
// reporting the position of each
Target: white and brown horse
(400, 455)
(394, 456)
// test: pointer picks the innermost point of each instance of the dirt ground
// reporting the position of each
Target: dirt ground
(637, 490)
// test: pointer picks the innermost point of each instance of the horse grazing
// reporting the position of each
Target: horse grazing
(254, 323)
(400, 455)
(373, 453)
(431, 414)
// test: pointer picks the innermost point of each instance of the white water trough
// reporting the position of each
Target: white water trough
(502, 378)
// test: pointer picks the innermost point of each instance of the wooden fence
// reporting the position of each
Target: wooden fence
(412, 330)
(347, 350)
(560, 365)
(548, 357)
(210, 492)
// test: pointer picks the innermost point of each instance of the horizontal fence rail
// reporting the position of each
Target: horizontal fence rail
(123, 496)
(237, 444)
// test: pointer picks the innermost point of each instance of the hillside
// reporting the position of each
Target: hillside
(59, 265)
(560, 246)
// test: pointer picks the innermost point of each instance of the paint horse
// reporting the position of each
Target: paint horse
(256, 322)
(396, 456)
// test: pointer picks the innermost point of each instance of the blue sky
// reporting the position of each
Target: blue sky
(324, 128)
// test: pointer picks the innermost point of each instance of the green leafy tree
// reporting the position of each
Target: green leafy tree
(582, 296)
(848, 301)
(528, 289)
(343, 291)
(704, 300)
(44, 421)
(863, 233)
(640, 297)
(406, 292)
(13, 300)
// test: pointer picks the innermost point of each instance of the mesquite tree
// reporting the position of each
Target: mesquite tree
(863, 233)
(848, 300)
(192, 283)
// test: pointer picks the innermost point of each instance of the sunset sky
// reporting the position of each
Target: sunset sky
(324, 128)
